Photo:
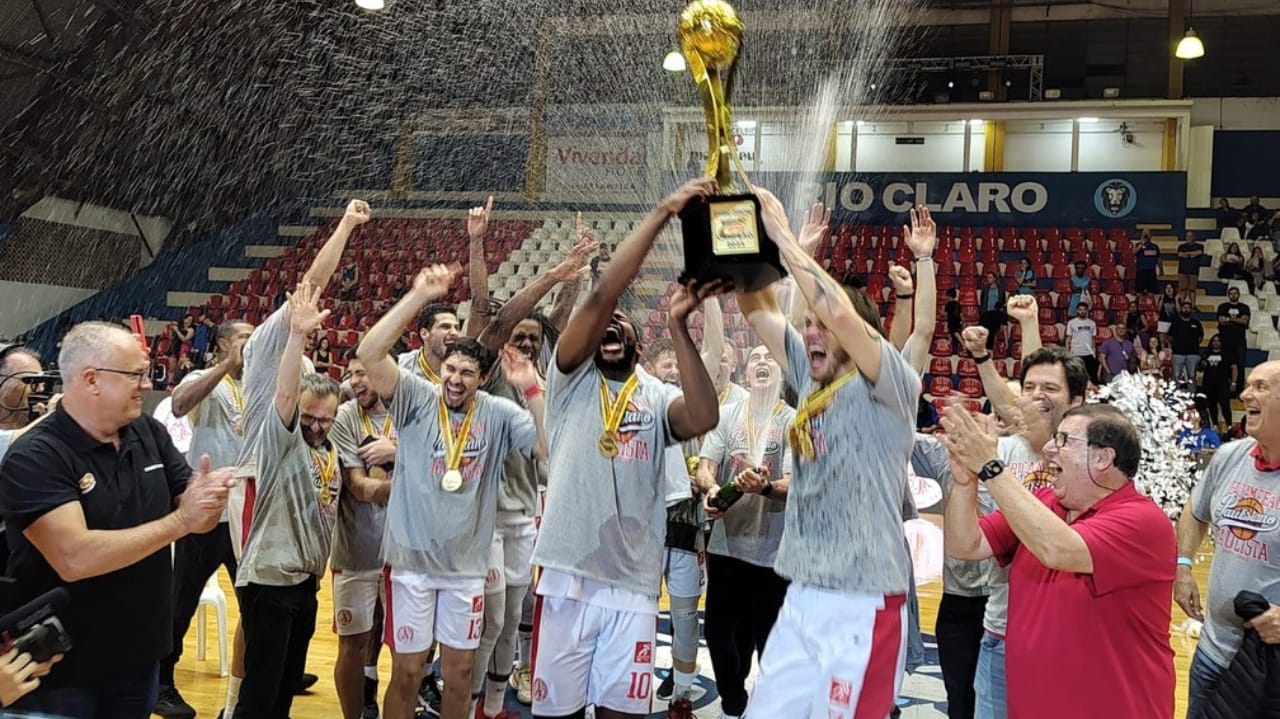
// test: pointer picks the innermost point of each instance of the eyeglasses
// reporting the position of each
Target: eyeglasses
(140, 377)
(1060, 439)
(322, 422)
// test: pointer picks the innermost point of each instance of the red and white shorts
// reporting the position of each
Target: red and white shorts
(355, 599)
(511, 554)
(422, 610)
(832, 655)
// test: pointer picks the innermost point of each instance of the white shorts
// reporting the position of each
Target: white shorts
(832, 655)
(421, 610)
(511, 554)
(355, 599)
(592, 655)
(685, 572)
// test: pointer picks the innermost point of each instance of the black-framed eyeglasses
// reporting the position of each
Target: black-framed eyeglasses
(311, 419)
(141, 376)
(1060, 439)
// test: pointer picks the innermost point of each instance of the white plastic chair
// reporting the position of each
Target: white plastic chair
(213, 596)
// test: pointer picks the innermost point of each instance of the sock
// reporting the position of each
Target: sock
(475, 699)
(526, 645)
(233, 696)
(683, 683)
(371, 672)
(495, 695)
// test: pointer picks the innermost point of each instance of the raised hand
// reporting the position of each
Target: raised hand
(971, 443)
(688, 297)
(433, 281)
(774, 216)
(478, 219)
(901, 278)
(357, 213)
(305, 315)
(975, 340)
(1022, 308)
(578, 261)
(675, 202)
(922, 235)
(517, 368)
(816, 227)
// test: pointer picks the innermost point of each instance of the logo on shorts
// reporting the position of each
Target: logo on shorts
(644, 652)
(404, 634)
(539, 690)
(344, 617)
(841, 693)
(87, 483)
(477, 604)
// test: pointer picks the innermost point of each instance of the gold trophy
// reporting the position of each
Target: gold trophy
(723, 237)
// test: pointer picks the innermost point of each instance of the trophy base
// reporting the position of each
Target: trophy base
(724, 238)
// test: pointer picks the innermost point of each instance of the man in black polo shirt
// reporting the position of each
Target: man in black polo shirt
(93, 497)
(1233, 322)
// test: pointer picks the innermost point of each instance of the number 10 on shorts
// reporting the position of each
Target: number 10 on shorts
(641, 683)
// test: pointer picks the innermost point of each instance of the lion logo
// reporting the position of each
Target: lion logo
(1115, 198)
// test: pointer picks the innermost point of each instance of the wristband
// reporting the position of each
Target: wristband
(924, 258)
(532, 392)
(906, 296)
(983, 358)
(1184, 561)
(767, 490)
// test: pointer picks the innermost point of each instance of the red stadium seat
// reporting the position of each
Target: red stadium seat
(971, 387)
(940, 366)
(940, 348)
(966, 367)
(940, 386)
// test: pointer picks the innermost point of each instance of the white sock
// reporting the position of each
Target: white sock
(526, 648)
(233, 696)
(495, 694)
(683, 683)
(371, 672)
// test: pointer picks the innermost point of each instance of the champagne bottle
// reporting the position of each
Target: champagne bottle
(728, 495)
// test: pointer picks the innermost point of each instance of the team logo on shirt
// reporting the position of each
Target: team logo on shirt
(841, 693)
(472, 453)
(637, 418)
(1245, 517)
(87, 483)
(1037, 480)
(773, 441)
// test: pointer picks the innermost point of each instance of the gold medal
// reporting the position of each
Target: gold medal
(454, 444)
(608, 445)
(326, 469)
(238, 400)
(452, 481)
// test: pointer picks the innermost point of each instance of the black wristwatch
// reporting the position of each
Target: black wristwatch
(990, 469)
(768, 489)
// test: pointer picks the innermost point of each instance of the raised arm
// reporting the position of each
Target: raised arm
(326, 261)
(1026, 311)
(921, 238)
(566, 298)
(826, 298)
(762, 313)
(904, 302)
(188, 395)
(305, 317)
(374, 350)
(997, 390)
(713, 340)
(582, 334)
(697, 410)
(523, 376)
(477, 267)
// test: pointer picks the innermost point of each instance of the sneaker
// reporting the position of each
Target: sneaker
(429, 696)
(667, 687)
(171, 705)
(523, 684)
(306, 682)
(680, 709)
(370, 710)
(504, 714)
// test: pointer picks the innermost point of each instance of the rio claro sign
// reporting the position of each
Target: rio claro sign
(1046, 199)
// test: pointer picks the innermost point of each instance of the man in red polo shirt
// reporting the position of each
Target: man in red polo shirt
(1092, 567)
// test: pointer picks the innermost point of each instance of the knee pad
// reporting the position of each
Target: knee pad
(684, 628)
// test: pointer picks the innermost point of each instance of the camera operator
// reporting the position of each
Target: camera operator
(94, 496)
(20, 675)
(16, 364)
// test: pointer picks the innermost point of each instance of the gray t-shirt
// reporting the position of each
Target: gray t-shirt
(261, 361)
(357, 539)
(215, 424)
(959, 576)
(845, 508)
(293, 509)
(606, 519)
(409, 361)
(752, 528)
(1027, 466)
(521, 473)
(1242, 505)
(446, 535)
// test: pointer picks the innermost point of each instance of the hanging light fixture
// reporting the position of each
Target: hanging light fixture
(1190, 47)
(674, 62)
(371, 4)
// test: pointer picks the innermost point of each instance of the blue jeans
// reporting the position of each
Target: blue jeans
(120, 699)
(989, 683)
(1202, 678)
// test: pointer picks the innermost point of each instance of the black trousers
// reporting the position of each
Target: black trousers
(195, 558)
(959, 633)
(278, 623)
(743, 601)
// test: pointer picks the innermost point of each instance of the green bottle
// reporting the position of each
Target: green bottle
(728, 495)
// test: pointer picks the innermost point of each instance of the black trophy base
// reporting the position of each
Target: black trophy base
(724, 238)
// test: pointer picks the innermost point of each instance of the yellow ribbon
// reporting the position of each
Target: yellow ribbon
(800, 433)
(453, 445)
(724, 393)
(613, 408)
(367, 424)
(326, 467)
(426, 368)
(237, 398)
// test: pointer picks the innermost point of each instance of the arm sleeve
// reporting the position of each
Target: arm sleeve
(1000, 536)
(1203, 492)
(412, 396)
(713, 442)
(33, 481)
(898, 386)
(797, 361)
(276, 441)
(521, 431)
(560, 387)
(345, 435)
(1130, 544)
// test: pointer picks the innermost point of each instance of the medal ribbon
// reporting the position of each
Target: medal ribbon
(611, 408)
(326, 466)
(236, 398)
(724, 393)
(453, 446)
(426, 368)
(751, 422)
(800, 433)
(367, 424)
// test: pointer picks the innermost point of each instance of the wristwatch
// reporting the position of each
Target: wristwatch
(990, 469)
(767, 490)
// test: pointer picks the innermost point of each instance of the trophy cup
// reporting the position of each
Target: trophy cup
(723, 237)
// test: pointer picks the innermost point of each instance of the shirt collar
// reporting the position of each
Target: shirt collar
(81, 441)
(1260, 462)
(1123, 494)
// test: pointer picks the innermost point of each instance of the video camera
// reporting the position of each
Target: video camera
(34, 628)
(40, 389)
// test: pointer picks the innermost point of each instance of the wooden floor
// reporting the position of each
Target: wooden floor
(206, 691)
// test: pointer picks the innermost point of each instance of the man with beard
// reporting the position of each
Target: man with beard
(744, 594)
(294, 498)
(439, 328)
(453, 441)
(366, 442)
(601, 539)
(16, 362)
(1053, 381)
(842, 546)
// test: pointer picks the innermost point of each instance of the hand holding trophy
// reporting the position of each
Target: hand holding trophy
(724, 237)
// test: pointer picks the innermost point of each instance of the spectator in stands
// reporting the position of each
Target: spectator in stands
(349, 287)
(1147, 265)
(1082, 332)
(1079, 288)
(185, 335)
(955, 316)
(1275, 233)
(185, 366)
(1189, 254)
(1026, 278)
(1154, 355)
(991, 299)
(1139, 330)
(1186, 333)
(1257, 266)
(1233, 324)
(1168, 309)
(1231, 266)
(323, 357)
(1227, 215)
(204, 329)
(1197, 438)
(1257, 227)
(1254, 206)
(1117, 350)
(1216, 382)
